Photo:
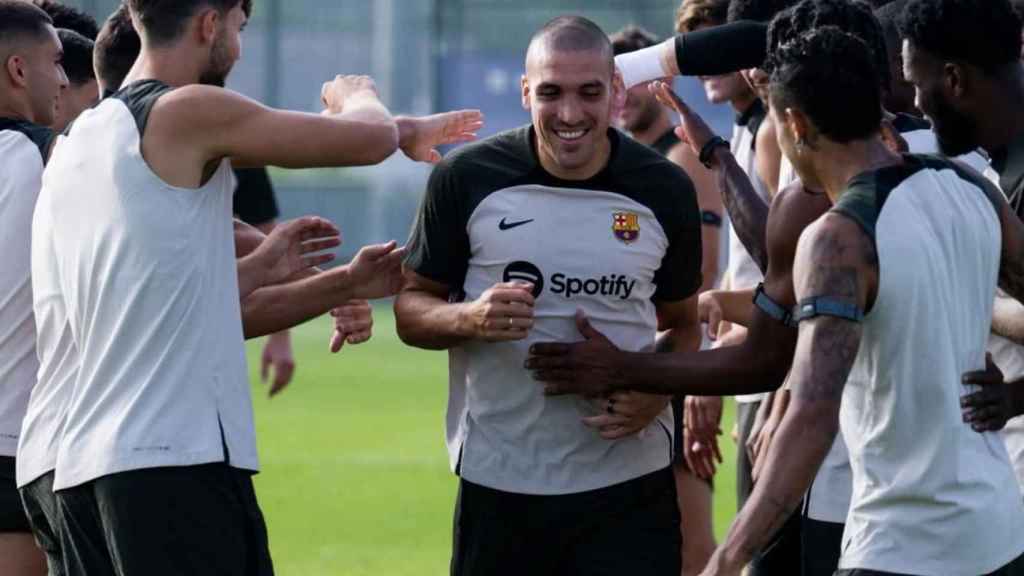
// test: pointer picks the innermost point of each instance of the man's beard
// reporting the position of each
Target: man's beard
(953, 130)
(216, 74)
(645, 119)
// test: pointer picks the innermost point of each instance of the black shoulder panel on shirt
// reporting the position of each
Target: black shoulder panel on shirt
(139, 97)
(41, 136)
(867, 192)
(904, 123)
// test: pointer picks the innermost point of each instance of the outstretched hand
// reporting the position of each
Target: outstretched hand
(376, 271)
(353, 324)
(988, 409)
(588, 368)
(692, 129)
(295, 246)
(419, 137)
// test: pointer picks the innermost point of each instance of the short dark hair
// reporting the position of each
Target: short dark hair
(632, 38)
(852, 16)
(117, 48)
(70, 18)
(830, 76)
(692, 14)
(77, 59)
(887, 15)
(756, 10)
(573, 33)
(983, 33)
(164, 20)
(18, 18)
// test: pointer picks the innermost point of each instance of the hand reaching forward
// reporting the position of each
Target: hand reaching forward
(376, 271)
(692, 129)
(353, 324)
(589, 368)
(419, 137)
(294, 246)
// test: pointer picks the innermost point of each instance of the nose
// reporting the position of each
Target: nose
(569, 111)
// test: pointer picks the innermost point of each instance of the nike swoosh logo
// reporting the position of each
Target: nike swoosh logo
(503, 225)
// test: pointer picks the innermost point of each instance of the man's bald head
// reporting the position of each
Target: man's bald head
(570, 34)
(22, 21)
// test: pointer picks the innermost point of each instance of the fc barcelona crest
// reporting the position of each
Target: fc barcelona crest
(626, 226)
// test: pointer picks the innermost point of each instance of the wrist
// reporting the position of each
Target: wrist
(406, 129)
(710, 152)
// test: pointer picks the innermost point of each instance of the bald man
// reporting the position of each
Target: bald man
(515, 234)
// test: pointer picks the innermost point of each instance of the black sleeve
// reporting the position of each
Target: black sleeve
(254, 201)
(722, 49)
(680, 274)
(439, 243)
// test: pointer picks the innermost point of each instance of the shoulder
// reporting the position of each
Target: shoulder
(41, 137)
(835, 240)
(793, 210)
(505, 151)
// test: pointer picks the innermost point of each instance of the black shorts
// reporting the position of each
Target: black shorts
(1015, 568)
(41, 507)
(629, 528)
(12, 514)
(821, 545)
(196, 520)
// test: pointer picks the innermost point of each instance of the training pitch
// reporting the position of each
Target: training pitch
(355, 476)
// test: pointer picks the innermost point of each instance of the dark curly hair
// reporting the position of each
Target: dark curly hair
(984, 33)
(830, 76)
(630, 39)
(70, 18)
(757, 10)
(851, 16)
(164, 20)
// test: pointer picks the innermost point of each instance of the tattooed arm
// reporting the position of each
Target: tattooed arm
(748, 212)
(837, 260)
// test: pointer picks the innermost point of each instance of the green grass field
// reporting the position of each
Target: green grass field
(354, 476)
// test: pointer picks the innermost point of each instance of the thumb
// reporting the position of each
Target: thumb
(583, 325)
(714, 321)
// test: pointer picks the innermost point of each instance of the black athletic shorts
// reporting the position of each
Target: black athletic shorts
(629, 528)
(12, 514)
(821, 545)
(41, 507)
(1015, 568)
(196, 520)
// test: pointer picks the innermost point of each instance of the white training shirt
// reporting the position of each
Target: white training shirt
(930, 495)
(743, 272)
(149, 277)
(23, 149)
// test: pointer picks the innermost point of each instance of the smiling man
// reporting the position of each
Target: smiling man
(516, 234)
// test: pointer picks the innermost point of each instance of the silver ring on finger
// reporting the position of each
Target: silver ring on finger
(610, 408)
(511, 324)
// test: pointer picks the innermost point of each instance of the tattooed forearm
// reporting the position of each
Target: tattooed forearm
(748, 212)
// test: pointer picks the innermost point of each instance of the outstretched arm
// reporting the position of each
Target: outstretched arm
(836, 261)
(748, 212)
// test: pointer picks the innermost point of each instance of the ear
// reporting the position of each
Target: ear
(954, 79)
(619, 92)
(209, 24)
(797, 125)
(15, 68)
(525, 85)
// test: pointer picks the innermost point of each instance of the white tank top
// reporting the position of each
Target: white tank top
(742, 270)
(148, 274)
(23, 148)
(930, 495)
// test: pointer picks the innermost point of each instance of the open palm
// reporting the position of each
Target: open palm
(421, 136)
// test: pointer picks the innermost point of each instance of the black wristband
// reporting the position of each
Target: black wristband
(772, 308)
(708, 149)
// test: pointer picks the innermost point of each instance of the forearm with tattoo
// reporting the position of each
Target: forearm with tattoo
(748, 212)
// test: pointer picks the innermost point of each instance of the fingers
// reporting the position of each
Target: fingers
(265, 363)
(606, 420)
(375, 252)
(316, 260)
(548, 349)
(586, 329)
(714, 322)
(337, 341)
(319, 245)
(538, 363)
(282, 376)
(617, 431)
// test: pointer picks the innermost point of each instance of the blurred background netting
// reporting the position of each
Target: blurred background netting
(426, 56)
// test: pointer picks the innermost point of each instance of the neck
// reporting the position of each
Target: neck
(742, 103)
(656, 130)
(1003, 122)
(839, 163)
(171, 65)
(12, 106)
